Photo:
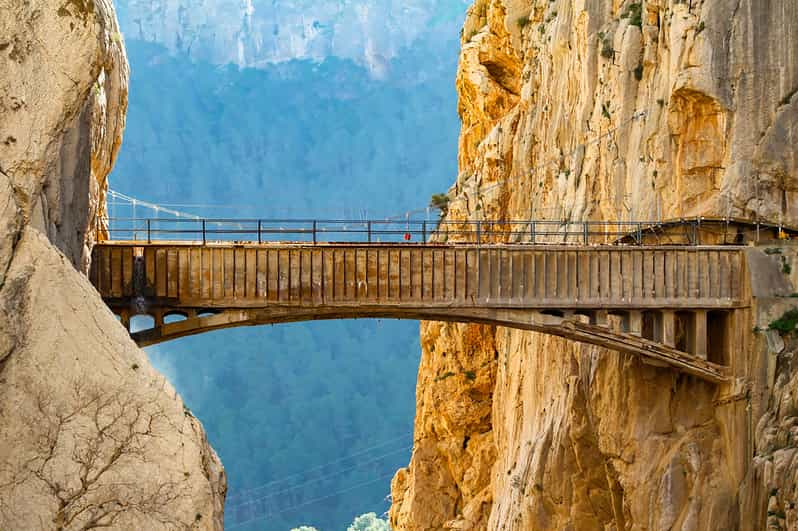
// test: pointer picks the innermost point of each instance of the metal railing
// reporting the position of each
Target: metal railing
(410, 231)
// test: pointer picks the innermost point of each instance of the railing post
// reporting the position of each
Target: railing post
(314, 232)
(424, 231)
(259, 232)
(149, 234)
(204, 237)
(585, 230)
(368, 224)
(479, 232)
(639, 234)
(533, 230)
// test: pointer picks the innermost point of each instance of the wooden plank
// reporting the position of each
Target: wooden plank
(660, 258)
(449, 280)
(294, 274)
(250, 290)
(616, 287)
(703, 275)
(427, 276)
(670, 275)
(239, 273)
(149, 268)
(273, 274)
(595, 276)
(328, 275)
(161, 264)
(628, 263)
(692, 274)
(172, 272)
(184, 273)
(127, 271)
(529, 277)
(283, 275)
(116, 272)
(206, 285)
(306, 278)
(316, 258)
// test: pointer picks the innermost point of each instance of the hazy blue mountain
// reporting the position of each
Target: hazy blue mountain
(310, 419)
(258, 33)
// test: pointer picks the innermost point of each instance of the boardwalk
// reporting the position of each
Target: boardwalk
(663, 303)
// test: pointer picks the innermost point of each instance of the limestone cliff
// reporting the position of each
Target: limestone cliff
(90, 435)
(610, 110)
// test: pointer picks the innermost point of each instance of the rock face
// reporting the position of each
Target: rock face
(90, 434)
(610, 111)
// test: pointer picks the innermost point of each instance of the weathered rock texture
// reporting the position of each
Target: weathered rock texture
(90, 434)
(576, 110)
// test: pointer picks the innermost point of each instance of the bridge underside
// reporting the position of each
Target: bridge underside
(621, 331)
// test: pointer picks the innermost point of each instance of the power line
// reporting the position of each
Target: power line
(405, 215)
(322, 478)
(309, 502)
(323, 465)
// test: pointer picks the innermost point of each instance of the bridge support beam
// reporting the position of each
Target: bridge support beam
(668, 323)
(699, 346)
(636, 323)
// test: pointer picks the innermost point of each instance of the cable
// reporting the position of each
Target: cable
(406, 215)
(323, 465)
(309, 502)
(289, 489)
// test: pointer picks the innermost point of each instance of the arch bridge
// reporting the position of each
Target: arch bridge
(673, 305)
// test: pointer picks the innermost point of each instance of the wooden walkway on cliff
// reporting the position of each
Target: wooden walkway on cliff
(612, 285)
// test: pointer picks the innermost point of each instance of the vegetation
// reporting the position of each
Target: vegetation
(786, 323)
(369, 522)
(607, 51)
(296, 139)
(440, 202)
(522, 22)
(635, 14)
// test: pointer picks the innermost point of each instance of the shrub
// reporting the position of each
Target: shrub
(522, 22)
(635, 14)
(786, 323)
(607, 51)
(441, 202)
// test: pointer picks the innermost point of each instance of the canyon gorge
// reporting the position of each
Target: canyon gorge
(571, 110)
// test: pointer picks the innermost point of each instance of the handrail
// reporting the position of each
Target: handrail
(386, 231)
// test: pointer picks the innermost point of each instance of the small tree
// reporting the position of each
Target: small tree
(85, 450)
(441, 202)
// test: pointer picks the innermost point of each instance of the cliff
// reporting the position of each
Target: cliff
(257, 33)
(90, 434)
(613, 111)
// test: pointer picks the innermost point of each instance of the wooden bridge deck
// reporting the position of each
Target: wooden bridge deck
(251, 283)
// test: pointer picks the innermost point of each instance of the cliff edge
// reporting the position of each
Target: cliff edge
(90, 434)
(616, 110)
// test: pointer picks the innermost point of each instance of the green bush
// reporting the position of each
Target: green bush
(786, 323)
(635, 15)
(441, 202)
(607, 51)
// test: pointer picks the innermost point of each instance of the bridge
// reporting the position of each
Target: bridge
(673, 305)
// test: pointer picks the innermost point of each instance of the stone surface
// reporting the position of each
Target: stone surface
(90, 434)
(589, 110)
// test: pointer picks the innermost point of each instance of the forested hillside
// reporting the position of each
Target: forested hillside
(310, 420)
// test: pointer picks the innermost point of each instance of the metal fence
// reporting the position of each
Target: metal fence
(418, 231)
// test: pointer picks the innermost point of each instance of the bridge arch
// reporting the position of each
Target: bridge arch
(659, 298)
